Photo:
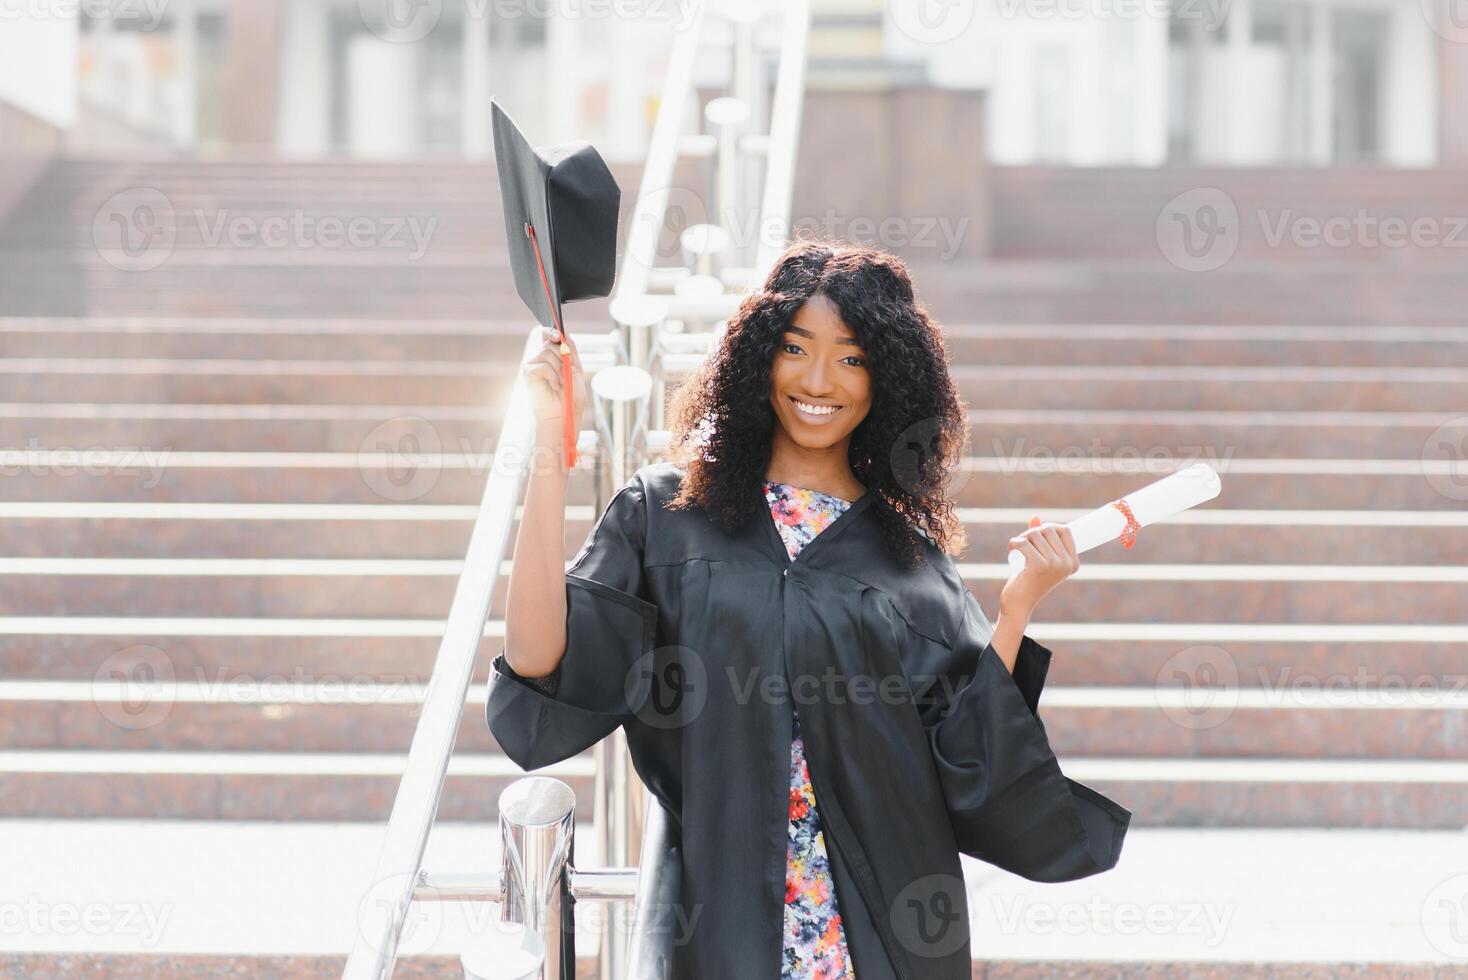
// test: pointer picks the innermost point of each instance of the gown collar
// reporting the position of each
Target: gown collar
(777, 543)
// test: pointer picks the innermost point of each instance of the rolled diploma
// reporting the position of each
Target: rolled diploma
(1157, 501)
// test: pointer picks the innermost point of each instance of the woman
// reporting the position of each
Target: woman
(806, 682)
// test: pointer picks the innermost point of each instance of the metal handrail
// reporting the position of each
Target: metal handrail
(662, 156)
(396, 876)
(788, 101)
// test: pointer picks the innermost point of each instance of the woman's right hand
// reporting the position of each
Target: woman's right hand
(542, 374)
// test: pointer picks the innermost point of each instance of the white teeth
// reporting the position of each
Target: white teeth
(815, 409)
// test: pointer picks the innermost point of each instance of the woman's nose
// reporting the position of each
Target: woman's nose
(816, 380)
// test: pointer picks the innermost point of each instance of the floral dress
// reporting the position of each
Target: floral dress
(815, 943)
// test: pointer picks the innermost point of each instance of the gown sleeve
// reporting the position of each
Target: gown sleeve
(610, 624)
(1008, 801)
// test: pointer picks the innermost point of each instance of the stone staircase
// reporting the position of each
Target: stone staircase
(224, 583)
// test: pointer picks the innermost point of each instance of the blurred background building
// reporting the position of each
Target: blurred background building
(1127, 82)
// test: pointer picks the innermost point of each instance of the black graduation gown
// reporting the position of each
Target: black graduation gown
(921, 744)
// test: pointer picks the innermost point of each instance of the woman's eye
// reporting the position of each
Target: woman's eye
(861, 361)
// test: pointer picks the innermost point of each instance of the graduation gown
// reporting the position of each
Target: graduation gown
(921, 743)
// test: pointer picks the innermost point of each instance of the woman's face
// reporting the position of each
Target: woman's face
(819, 363)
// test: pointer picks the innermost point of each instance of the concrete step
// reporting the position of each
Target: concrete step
(220, 649)
(252, 193)
(287, 339)
(453, 284)
(416, 179)
(189, 264)
(124, 712)
(258, 899)
(1279, 657)
(1150, 290)
(1251, 595)
(1282, 792)
(997, 387)
(246, 229)
(452, 292)
(248, 530)
(119, 381)
(1105, 589)
(1195, 345)
(294, 786)
(407, 292)
(223, 209)
(1214, 389)
(148, 474)
(1167, 791)
(1048, 433)
(487, 340)
(1223, 722)
(441, 531)
(252, 427)
(70, 182)
(144, 474)
(1399, 659)
(1108, 211)
(1350, 904)
(423, 299)
(447, 285)
(182, 966)
(1038, 479)
(448, 968)
(1213, 435)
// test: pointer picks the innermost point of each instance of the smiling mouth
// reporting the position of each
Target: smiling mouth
(814, 415)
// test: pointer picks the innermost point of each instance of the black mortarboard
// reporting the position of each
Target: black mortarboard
(571, 199)
(568, 198)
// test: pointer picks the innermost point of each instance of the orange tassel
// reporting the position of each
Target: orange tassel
(568, 388)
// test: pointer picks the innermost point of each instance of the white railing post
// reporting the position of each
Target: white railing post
(621, 395)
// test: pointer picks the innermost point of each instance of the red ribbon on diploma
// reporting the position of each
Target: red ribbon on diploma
(1128, 533)
(568, 391)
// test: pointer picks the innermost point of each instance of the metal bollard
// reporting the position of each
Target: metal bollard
(701, 245)
(537, 827)
(620, 393)
(726, 116)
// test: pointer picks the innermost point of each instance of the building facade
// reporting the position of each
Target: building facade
(1075, 82)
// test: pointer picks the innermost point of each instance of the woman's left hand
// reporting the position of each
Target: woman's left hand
(1050, 558)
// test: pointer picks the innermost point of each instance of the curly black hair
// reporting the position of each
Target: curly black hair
(902, 451)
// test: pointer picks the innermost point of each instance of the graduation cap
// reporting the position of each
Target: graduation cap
(561, 205)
